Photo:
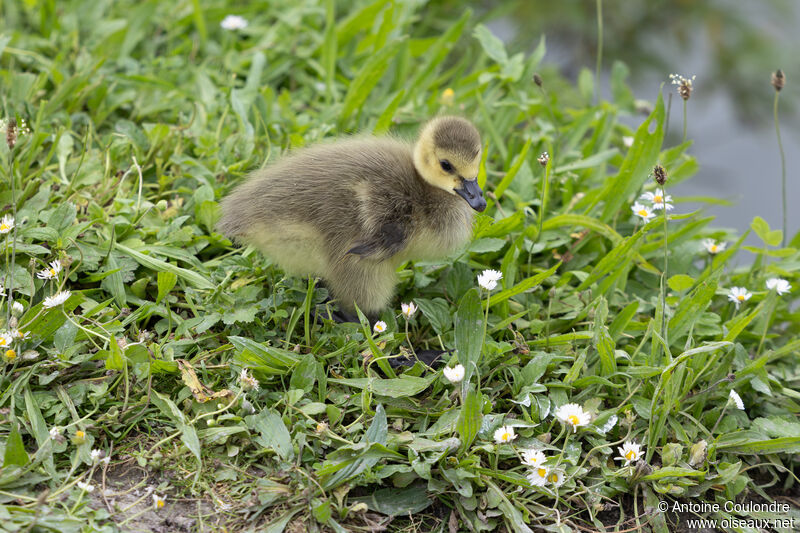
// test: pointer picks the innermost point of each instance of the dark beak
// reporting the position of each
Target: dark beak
(472, 193)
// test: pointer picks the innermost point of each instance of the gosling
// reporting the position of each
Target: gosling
(352, 211)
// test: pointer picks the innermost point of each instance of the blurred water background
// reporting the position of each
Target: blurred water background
(731, 46)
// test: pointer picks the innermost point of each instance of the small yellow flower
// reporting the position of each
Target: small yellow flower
(448, 96)
(79, 438)
(10, 355)
(379, 327)
(321, 428)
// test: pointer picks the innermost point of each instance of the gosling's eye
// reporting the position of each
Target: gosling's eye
(446, 166)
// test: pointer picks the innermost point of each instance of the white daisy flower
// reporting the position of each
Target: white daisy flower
(19, 335)
(555, 477)
(408, 309)
(5, 339)
(736, 399)
(159, 501)
(488, 279)
(379, 327)
(658, 199)
(50, 273)
(738, 295)
(572, 414)
(247, 381)
(538, 476)
(533, 458)
(55, 432)
(713, 247)
(504, 434)
(55, 301)
(643, 212)
(630, 452)
(454, 374)
(96, 454)
(780, 285)
(6, 224)
(17, 308)
(88, 487)
(233, 23)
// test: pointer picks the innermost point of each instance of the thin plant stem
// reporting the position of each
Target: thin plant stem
(545, 192)
(664, 322)
(783, 166)
(599, 51)
(684, 121)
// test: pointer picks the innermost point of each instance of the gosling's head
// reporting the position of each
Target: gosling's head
(447, 155)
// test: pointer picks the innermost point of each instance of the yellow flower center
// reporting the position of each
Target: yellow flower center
(4, 227)
(542, 472)
(11, 355)
(631, 455)
(52, 272)
(505, 437)
(657, 199)
(80, 434)
(713, 248)
(740, 297)
(553, 478)
(159, 503)
(3, 342)
(643, 213)
(573, 420)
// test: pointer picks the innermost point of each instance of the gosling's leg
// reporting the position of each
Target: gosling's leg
(368, 284)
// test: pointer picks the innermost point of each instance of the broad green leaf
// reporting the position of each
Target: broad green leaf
(469, 335)
(115, 360)
(680, 282)
(166, 282)
(15, 453)
(402, 387)
(193, 278)
(491, 44)
(398, 501)
(273, 433)
(469, 418)
(602, 341)
(638, 164)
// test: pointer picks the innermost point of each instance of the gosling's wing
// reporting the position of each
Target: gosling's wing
(387, 240)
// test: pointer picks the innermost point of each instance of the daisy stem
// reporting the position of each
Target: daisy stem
(486, 318)
(783, 165)
(599, 51)
(718, 419)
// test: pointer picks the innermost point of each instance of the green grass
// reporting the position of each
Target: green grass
(144, 114)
